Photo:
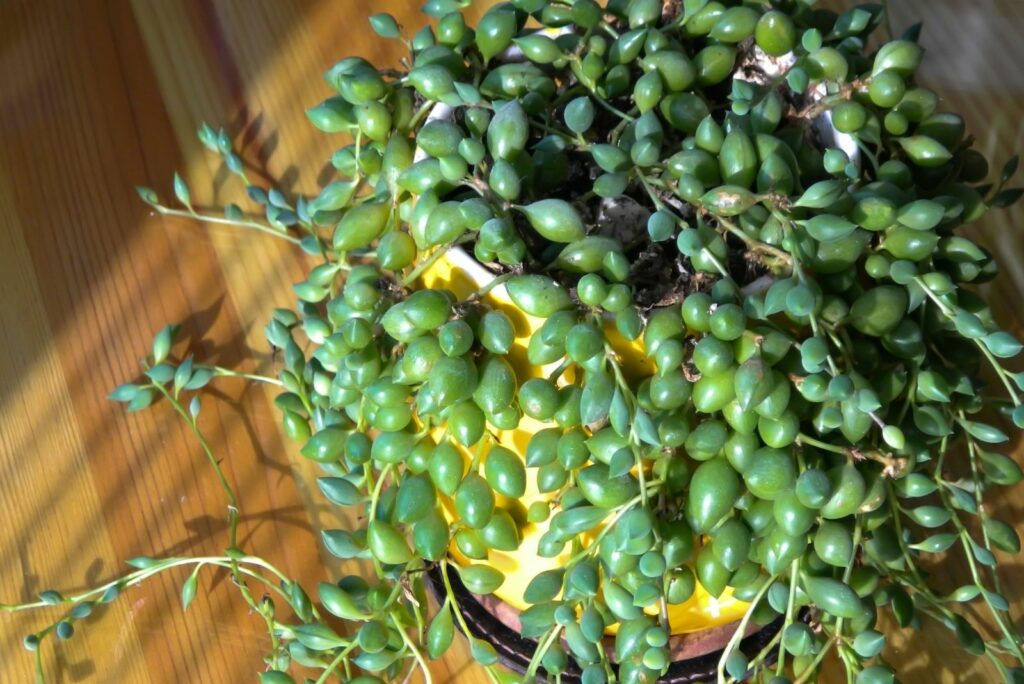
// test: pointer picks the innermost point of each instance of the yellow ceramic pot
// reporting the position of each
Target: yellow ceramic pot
(459, 272)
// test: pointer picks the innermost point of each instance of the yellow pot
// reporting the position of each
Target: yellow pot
(459, 272)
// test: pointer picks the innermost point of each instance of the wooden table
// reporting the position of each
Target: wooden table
(97, 96)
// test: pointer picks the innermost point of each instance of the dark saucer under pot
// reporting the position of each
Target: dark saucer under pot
(497, 622)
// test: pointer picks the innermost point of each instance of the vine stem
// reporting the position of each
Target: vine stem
(996, 366)
(542, 649)
(431, 260)
(741, 628)
(483, 291)
(228, 373)
(335, 663)
(208, 451)
(784, 257)
(622, 510)
(141, 575)
(972, 452)
(209, 218)
(458, 613)
(1012, 639)
(794, 572)
(415, 651)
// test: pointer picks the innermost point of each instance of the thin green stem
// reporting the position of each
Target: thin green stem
(335, 663)
(812, 667)
(209, 218)
(431, 260)
(542, 649)
(208, 451)
(493, 283)
(1012, 639)
(794, 573)
(741, 629)
(228, 373)
(450, 597)
(803, 438)
(996, 366)
(415, 651)
(756, 245)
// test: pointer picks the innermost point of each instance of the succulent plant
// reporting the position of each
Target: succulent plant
(708, 256)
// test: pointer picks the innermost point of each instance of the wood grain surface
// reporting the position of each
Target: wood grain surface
(97, 96)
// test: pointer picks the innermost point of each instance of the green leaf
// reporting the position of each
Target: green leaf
(341, 543)
(1010, 168)
(1002, 535)
(481, 579)
(969, 325)
(924, 151)
(387, 544)
(868, 644)
(621, 462)
(826, 227)
(983, 555)
(161, 373)
(538, 48)
(181, 191)
(998, 601)
(571, 522)
(931, 421)
(201, 377)
(384, 25)
(691, 7)
(440, 633)
(142, 562)
(1007, 198)
(984, 432)
(579, 114)
(334, 196)
(822, 194)
(538, 295)
(596, 399)
(545, 586)
(728, 200)
(752, 382)
(375, 662)
(555, 220)
(339, 490)
(468, 93)
(162, 342)
(188, 588)
(182, 375)
(143, 398)
(536, 620)
(833, 596)
(1002, 344)
(968, 592)
(618, 414)
(276, 677)
(148, 195)
(483, 652)
(340, 603)
(644, 428)
(124, 393)
(936, 543)
(930, 516)
(968, 636)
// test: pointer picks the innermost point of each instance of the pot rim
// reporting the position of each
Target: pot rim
(515, 651)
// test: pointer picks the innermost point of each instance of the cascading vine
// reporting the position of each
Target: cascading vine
(727, 286)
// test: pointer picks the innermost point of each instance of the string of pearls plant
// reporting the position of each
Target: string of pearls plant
(765, 210)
